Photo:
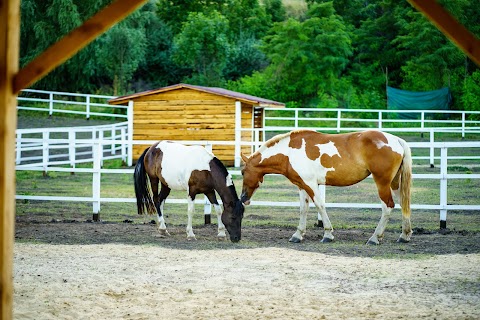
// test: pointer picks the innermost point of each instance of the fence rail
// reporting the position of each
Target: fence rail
(338, 120)
(69, 103)
(70, 145)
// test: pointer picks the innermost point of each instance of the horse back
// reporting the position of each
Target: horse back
(174, 163)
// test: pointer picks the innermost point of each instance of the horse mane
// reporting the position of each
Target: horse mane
(225, 173)
(272, 141)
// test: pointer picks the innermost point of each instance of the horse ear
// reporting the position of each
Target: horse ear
(244, 157)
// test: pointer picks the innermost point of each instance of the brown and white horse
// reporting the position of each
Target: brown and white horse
(192, 168)
(309, 159)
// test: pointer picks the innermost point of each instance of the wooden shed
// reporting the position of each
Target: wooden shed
(196, 113)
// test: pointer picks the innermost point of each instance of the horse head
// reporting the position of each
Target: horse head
(232, 219)
(252, 178)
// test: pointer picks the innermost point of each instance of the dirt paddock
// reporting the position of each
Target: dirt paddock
(81, 270)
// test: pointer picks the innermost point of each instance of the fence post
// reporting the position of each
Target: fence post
(71, 149)
(130, 132)
(443, 188)
(113, 137)
(124, 145)
(100, 138)
(463, 125)
(96, 180)
(264, 114)
(238, 132)
(339, 121)
(432, 148)
(18, 153)
(207, 208)
(256, 139)
(50, 104)
(296, 118)
(380, 119)
(87, 106)
(45, 151)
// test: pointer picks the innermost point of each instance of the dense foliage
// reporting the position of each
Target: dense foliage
(309, 54)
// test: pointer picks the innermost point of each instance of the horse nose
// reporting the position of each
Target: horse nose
(235, 238)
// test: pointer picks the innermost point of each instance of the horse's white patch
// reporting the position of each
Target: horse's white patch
(179, 161)
(311, 171)
(281, 147)
(392, 142)
(229, 181)
(328, 149)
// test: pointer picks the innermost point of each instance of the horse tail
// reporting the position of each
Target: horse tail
(406, 179)
(142, 192)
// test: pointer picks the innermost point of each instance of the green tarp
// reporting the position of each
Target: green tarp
(408, 100)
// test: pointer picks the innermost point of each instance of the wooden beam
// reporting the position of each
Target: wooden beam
(9, 44)
(73, 42)
(449, 26)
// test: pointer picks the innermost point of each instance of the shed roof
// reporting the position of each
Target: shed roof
(246, 98)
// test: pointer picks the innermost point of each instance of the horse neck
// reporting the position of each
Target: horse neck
(271, 163)
(228, 194)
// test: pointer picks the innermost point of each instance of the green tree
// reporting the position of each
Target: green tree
(202, 45)
(245, 57)
(471, 92)
(308, 57)
(157, 69)
(123, 49)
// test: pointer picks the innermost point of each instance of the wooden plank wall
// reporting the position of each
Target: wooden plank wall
(187, 114)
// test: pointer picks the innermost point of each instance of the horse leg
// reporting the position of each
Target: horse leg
(319, 201)
(159, 201)
(302, 224)
(221, 227)
(388, 204)
(191, 211)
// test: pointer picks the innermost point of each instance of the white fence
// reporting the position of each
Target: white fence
(338, 120)
(275, 120)
(73, 103)
(70, 145)
(443, 206)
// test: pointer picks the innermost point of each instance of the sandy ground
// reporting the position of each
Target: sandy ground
(115, 281)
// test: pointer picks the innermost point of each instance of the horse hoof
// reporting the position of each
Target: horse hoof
(221, 238)
(373, 243)
(326, 240)
(163, 233)
(192, 238)
(401, 240)
(295, 240)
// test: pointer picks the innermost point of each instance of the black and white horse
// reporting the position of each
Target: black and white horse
(191, 168)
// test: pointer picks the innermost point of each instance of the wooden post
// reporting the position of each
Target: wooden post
(9, 39)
